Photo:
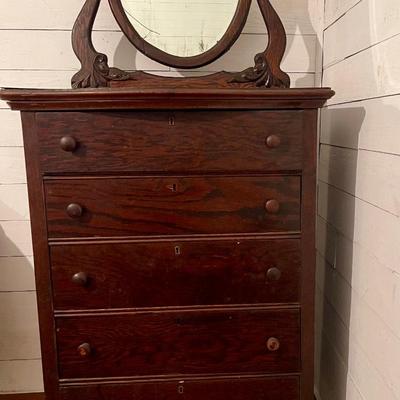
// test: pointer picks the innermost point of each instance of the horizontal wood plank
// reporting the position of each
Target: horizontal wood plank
(361, 172)
(372, 73)
(368, 124)
(12, 165)
(21, 376)
(373, 228)
(334, 9)
(17, 274)
(14, 202)
(300, 54)
(358, 318)
(19, 337)
(41, 14)
(15, 238)
(381, 20)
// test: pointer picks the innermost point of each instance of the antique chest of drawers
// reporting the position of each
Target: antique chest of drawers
(174, 241)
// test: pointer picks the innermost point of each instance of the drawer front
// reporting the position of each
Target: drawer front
(162, 141)
(285, 388)
(191, 342)
(152, 274)
(172, 206)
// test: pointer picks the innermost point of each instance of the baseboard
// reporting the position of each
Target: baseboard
(22, 396)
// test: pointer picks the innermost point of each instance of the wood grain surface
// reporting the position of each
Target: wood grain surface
(278, 388)
(181, 342)
(178, 141)
(178, 273)
(172, 205)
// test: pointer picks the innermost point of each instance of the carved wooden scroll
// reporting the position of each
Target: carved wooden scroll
(267, 69)
(95, 71)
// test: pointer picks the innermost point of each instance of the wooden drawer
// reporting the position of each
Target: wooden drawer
(280, 388)
(152, 274)
(172, 206)
(164, 141)
(178, 342)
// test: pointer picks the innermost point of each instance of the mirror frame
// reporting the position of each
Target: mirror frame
(266, 72)
(221, 47)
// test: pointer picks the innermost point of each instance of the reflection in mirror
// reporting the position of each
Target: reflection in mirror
(183, 28)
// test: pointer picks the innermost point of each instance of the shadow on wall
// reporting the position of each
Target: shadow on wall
(335, 259)
(19, 337)
(238, 58)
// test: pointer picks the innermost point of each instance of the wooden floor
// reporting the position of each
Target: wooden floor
(23, 396)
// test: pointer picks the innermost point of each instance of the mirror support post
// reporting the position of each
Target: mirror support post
(94, 71)
(267, 69)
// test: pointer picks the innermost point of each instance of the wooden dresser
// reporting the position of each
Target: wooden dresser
(174, 241)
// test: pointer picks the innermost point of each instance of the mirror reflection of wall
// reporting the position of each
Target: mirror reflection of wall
(181, 27)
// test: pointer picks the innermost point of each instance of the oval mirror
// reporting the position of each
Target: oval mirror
(181, 33)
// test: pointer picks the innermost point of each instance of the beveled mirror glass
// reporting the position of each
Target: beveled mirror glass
(183, 28)
(182, 33)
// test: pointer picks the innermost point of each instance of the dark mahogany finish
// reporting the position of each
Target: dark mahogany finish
(172, 206)
(286, 388)
(173, 234)
(171, 141)
(177, 273)
(179, 343)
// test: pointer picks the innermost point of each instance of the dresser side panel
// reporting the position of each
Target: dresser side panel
(308, 216)
(41, 254)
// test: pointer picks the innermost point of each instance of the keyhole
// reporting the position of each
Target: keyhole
(181, 389)
(171, 121)
(173, 187)
(177, 250)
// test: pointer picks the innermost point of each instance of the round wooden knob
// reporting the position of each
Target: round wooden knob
(273, 344)
(81, 279)
(273, 141)
(274, 274)
(272, 206)
(68, 143)
(84, 350)
(74, 210)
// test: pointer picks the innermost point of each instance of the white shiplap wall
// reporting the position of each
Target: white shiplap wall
(35, 51)
(358, 290)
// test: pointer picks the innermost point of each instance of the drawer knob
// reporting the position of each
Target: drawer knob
(84, 350)
(273, 141)
(273, 344)
(272, 206)
(274, 274)
(81, 279)
(75, 210)
(68, 143)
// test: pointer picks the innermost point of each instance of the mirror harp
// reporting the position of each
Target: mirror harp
(95, 71)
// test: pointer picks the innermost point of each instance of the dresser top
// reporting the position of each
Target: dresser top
(114, 99)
